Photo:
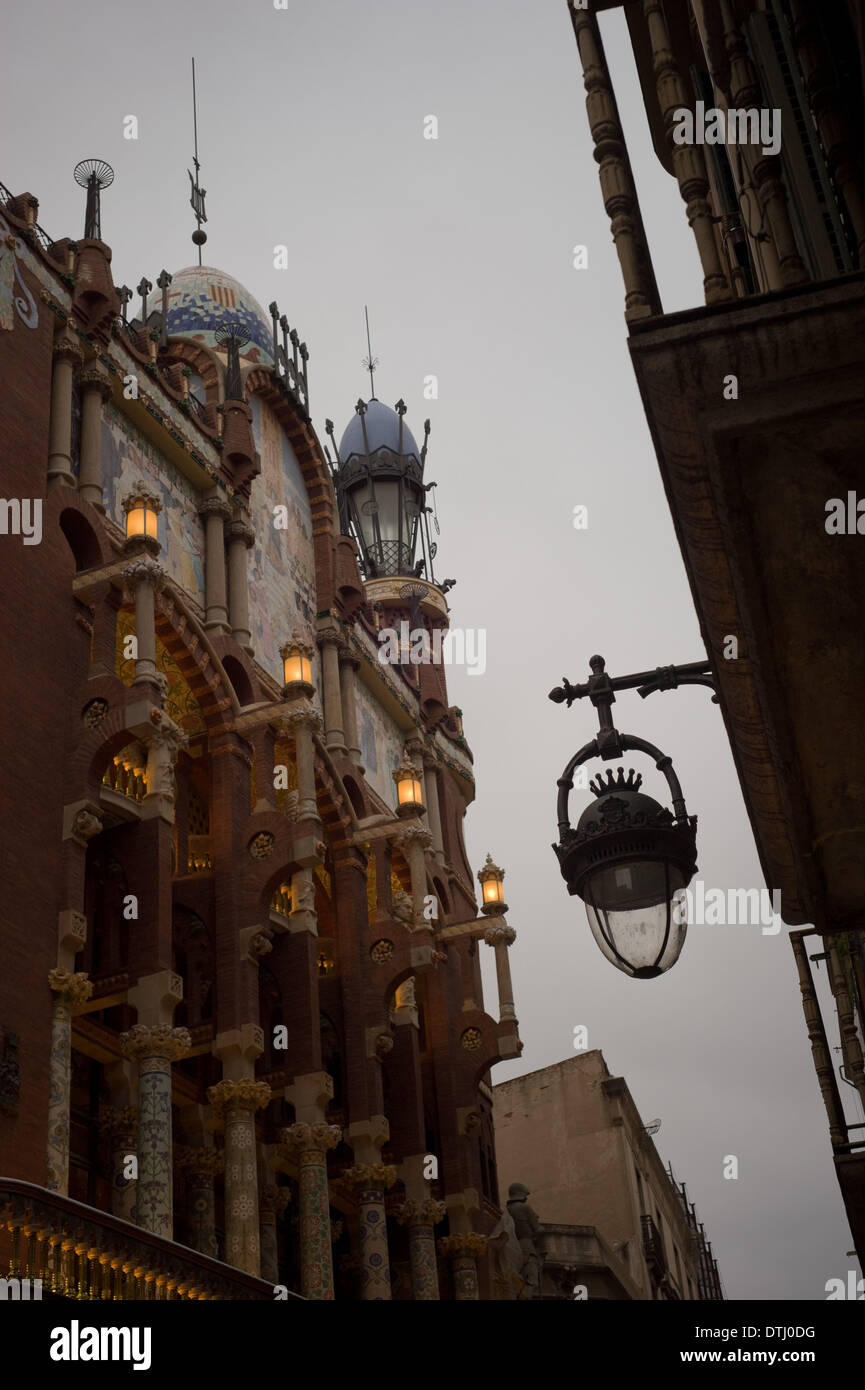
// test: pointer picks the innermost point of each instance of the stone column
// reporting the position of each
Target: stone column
(420, 1217)
(200, 1166)
(463, 1251)
(144, 578)
(163, 745)
(309, 1143)
(500, 938)
(240, 538)
(238, 1101)
(371, 1181)
(273, 1201)
(155, 1048)
(95, 389)
(300, 723)
(67, 353)
(120, 1125)
(617, 183)
(216, 511)
(348, 667)
(413, 841)
(431, 793)
(328, 640)
(70, 991)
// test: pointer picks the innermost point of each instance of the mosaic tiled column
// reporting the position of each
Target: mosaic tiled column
(200, 1166)
(462, 1250)
(155, 1048)
(272, 1203)
(370, 1182)
(238, 1101)
(309, 1144)
(120, 1126)
(421, 1217)
(70, 990)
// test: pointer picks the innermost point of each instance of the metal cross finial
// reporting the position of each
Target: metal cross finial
(370, 362)
(143, 288)
(198, 193)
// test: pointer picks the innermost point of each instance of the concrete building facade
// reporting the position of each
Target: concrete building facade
(613, 1219)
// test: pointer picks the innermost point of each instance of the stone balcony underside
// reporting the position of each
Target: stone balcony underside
(747, 482)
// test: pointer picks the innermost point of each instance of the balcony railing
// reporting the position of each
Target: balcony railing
(653, 1247)
(123, 777)
(80, 1253)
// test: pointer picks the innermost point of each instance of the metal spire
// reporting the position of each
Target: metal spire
(198, 194)
(369, 362)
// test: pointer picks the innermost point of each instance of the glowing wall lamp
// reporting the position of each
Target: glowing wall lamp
(142, 509)
(408, 790)
(491, 879)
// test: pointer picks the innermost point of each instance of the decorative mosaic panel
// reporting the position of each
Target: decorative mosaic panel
(180, 702)
(202, 299)
(281, 564)
(381, 744)
(128, 458)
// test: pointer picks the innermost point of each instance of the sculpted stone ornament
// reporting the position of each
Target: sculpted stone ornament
(161, 1040)
(71, 989)
(401, 907)
(468, 1243)
(246, 1094)
(311, 1140)
(527, 1228)
(201, 1161)
(143, 571)
(506, 1259)
(86, 825)
(369, 1176)
(501, 935)
(429, 1212)
(302, 712)
(383, 1045)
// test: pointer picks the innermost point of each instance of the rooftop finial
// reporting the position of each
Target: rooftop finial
(198, 195)
(370, 362)
(94, 175)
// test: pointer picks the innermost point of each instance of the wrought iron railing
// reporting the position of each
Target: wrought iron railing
(77, 1252)
(653, 1247)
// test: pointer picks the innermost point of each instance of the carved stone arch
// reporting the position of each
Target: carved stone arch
(200, 360)
(203, 672)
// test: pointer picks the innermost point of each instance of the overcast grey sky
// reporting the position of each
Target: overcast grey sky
(311, 135)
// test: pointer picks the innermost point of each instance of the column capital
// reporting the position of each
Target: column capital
(71, 989)
(412, 834)
(93, 377)
(199, 1161)
(118, 1122)
(67, 347)
(245, 1094)
(370, 1175)
(215, 506)
(328, 629)
(160, 1040)
(429, 1212)
(302, 714)
(239, 529)
(273, 1200)
(502, 935)
(143, 571)
(467, 1243)
(310, 1141)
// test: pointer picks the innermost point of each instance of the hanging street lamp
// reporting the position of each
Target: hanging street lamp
(629, 858)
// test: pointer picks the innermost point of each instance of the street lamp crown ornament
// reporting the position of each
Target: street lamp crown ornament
(629, 858)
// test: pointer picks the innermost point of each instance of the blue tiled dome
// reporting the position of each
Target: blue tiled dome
(202, 299)
(382, 432)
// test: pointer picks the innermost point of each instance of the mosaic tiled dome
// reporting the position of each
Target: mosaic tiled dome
(382, 432)
(202, 299)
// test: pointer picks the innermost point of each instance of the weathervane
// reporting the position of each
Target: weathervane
(196, 201)
(370, 362)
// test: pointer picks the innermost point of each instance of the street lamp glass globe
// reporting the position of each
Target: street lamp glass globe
(636, 912)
